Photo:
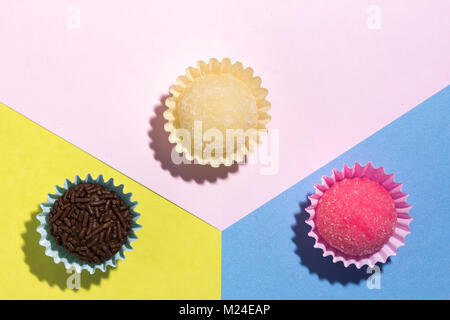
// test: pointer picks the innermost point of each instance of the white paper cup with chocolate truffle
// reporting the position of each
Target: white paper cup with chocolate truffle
(88, 224)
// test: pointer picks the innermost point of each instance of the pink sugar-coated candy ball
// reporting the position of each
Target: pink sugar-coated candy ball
(356, 216)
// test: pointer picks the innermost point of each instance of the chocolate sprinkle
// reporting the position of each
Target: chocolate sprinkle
(91, 222)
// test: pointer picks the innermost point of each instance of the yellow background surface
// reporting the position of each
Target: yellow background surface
(176, 256)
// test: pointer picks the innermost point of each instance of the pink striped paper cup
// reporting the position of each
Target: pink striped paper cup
(402, 208)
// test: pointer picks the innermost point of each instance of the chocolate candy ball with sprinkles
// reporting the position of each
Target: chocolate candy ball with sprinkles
(91, 222)
(88, 224)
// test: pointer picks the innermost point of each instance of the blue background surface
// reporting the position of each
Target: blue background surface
(268, 255)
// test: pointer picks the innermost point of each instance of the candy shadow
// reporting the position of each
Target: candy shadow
(312, 257)
(44, 268)
(159, 143)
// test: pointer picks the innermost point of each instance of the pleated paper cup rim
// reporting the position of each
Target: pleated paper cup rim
(58, 253)
(401, 206)
(215, 66)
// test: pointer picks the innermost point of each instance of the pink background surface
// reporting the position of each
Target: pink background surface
(332, 81)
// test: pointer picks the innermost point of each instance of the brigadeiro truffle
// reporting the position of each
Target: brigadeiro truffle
(90, 221)
(88, 224)
(359, 215)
